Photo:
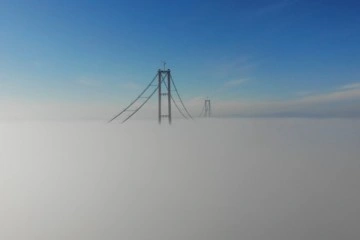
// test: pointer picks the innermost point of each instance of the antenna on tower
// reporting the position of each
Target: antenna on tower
(164, 63)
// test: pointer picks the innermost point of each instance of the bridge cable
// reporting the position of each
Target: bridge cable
(141, 105)
(181, 112)
(136, 100)
(180, 98)
(202, 111)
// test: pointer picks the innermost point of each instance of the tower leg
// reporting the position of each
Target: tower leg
(159, 90)
(209, 109)
(169, 96)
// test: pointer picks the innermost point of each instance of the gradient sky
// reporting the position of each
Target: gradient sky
(107, 51)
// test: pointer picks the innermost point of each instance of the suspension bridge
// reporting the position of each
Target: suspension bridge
(163, 86)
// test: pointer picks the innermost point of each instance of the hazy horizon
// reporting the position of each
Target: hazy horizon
(85, 59)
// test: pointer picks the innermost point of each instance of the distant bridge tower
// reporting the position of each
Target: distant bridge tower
(207, 108)
(162, 75)
(206, 111)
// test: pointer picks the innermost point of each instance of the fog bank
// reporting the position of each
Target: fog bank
(264, 179)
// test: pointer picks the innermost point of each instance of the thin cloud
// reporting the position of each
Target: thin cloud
(231, 68)
(130, 86)
(89, 82)
(340, 103)
(340, 95)
(38, 64)
(235, 83)
(351, 86)
(304, 93)
(344, 103)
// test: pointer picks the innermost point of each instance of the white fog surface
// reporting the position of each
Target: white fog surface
(228, 179)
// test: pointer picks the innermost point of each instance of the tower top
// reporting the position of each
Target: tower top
(164, 63)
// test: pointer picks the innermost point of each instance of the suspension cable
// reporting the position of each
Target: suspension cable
(180, 97)
(181, 112)
(202, 111)
(141, 105)
(135, 99)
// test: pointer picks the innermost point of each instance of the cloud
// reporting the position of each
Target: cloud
(343, 102)
(89, 82)
(38, 64)
(235, 83)
(206, 180)
(339, 103)
(231, 68)
(351, 86)
(131, 86)
(304, 93)
(350, 94)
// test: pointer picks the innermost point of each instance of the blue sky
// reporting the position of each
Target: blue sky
(248, 51)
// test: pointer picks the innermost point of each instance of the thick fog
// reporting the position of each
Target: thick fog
(263, 179)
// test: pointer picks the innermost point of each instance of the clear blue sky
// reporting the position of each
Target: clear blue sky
(225, 49)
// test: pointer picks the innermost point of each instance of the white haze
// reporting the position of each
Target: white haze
(263, 179)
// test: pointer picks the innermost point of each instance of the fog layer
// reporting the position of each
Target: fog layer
(232, 179)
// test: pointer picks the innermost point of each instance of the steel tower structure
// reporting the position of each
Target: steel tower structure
(163, 78)
(207, 108)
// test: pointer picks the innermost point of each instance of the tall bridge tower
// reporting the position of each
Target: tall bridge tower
(207, 108)
(164, 75)
(164, 79)
(206, 111)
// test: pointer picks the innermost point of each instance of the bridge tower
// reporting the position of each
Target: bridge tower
(164, 75)
(207, 108)
(164, 79)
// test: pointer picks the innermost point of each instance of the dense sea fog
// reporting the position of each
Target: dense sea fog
(263, 179)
